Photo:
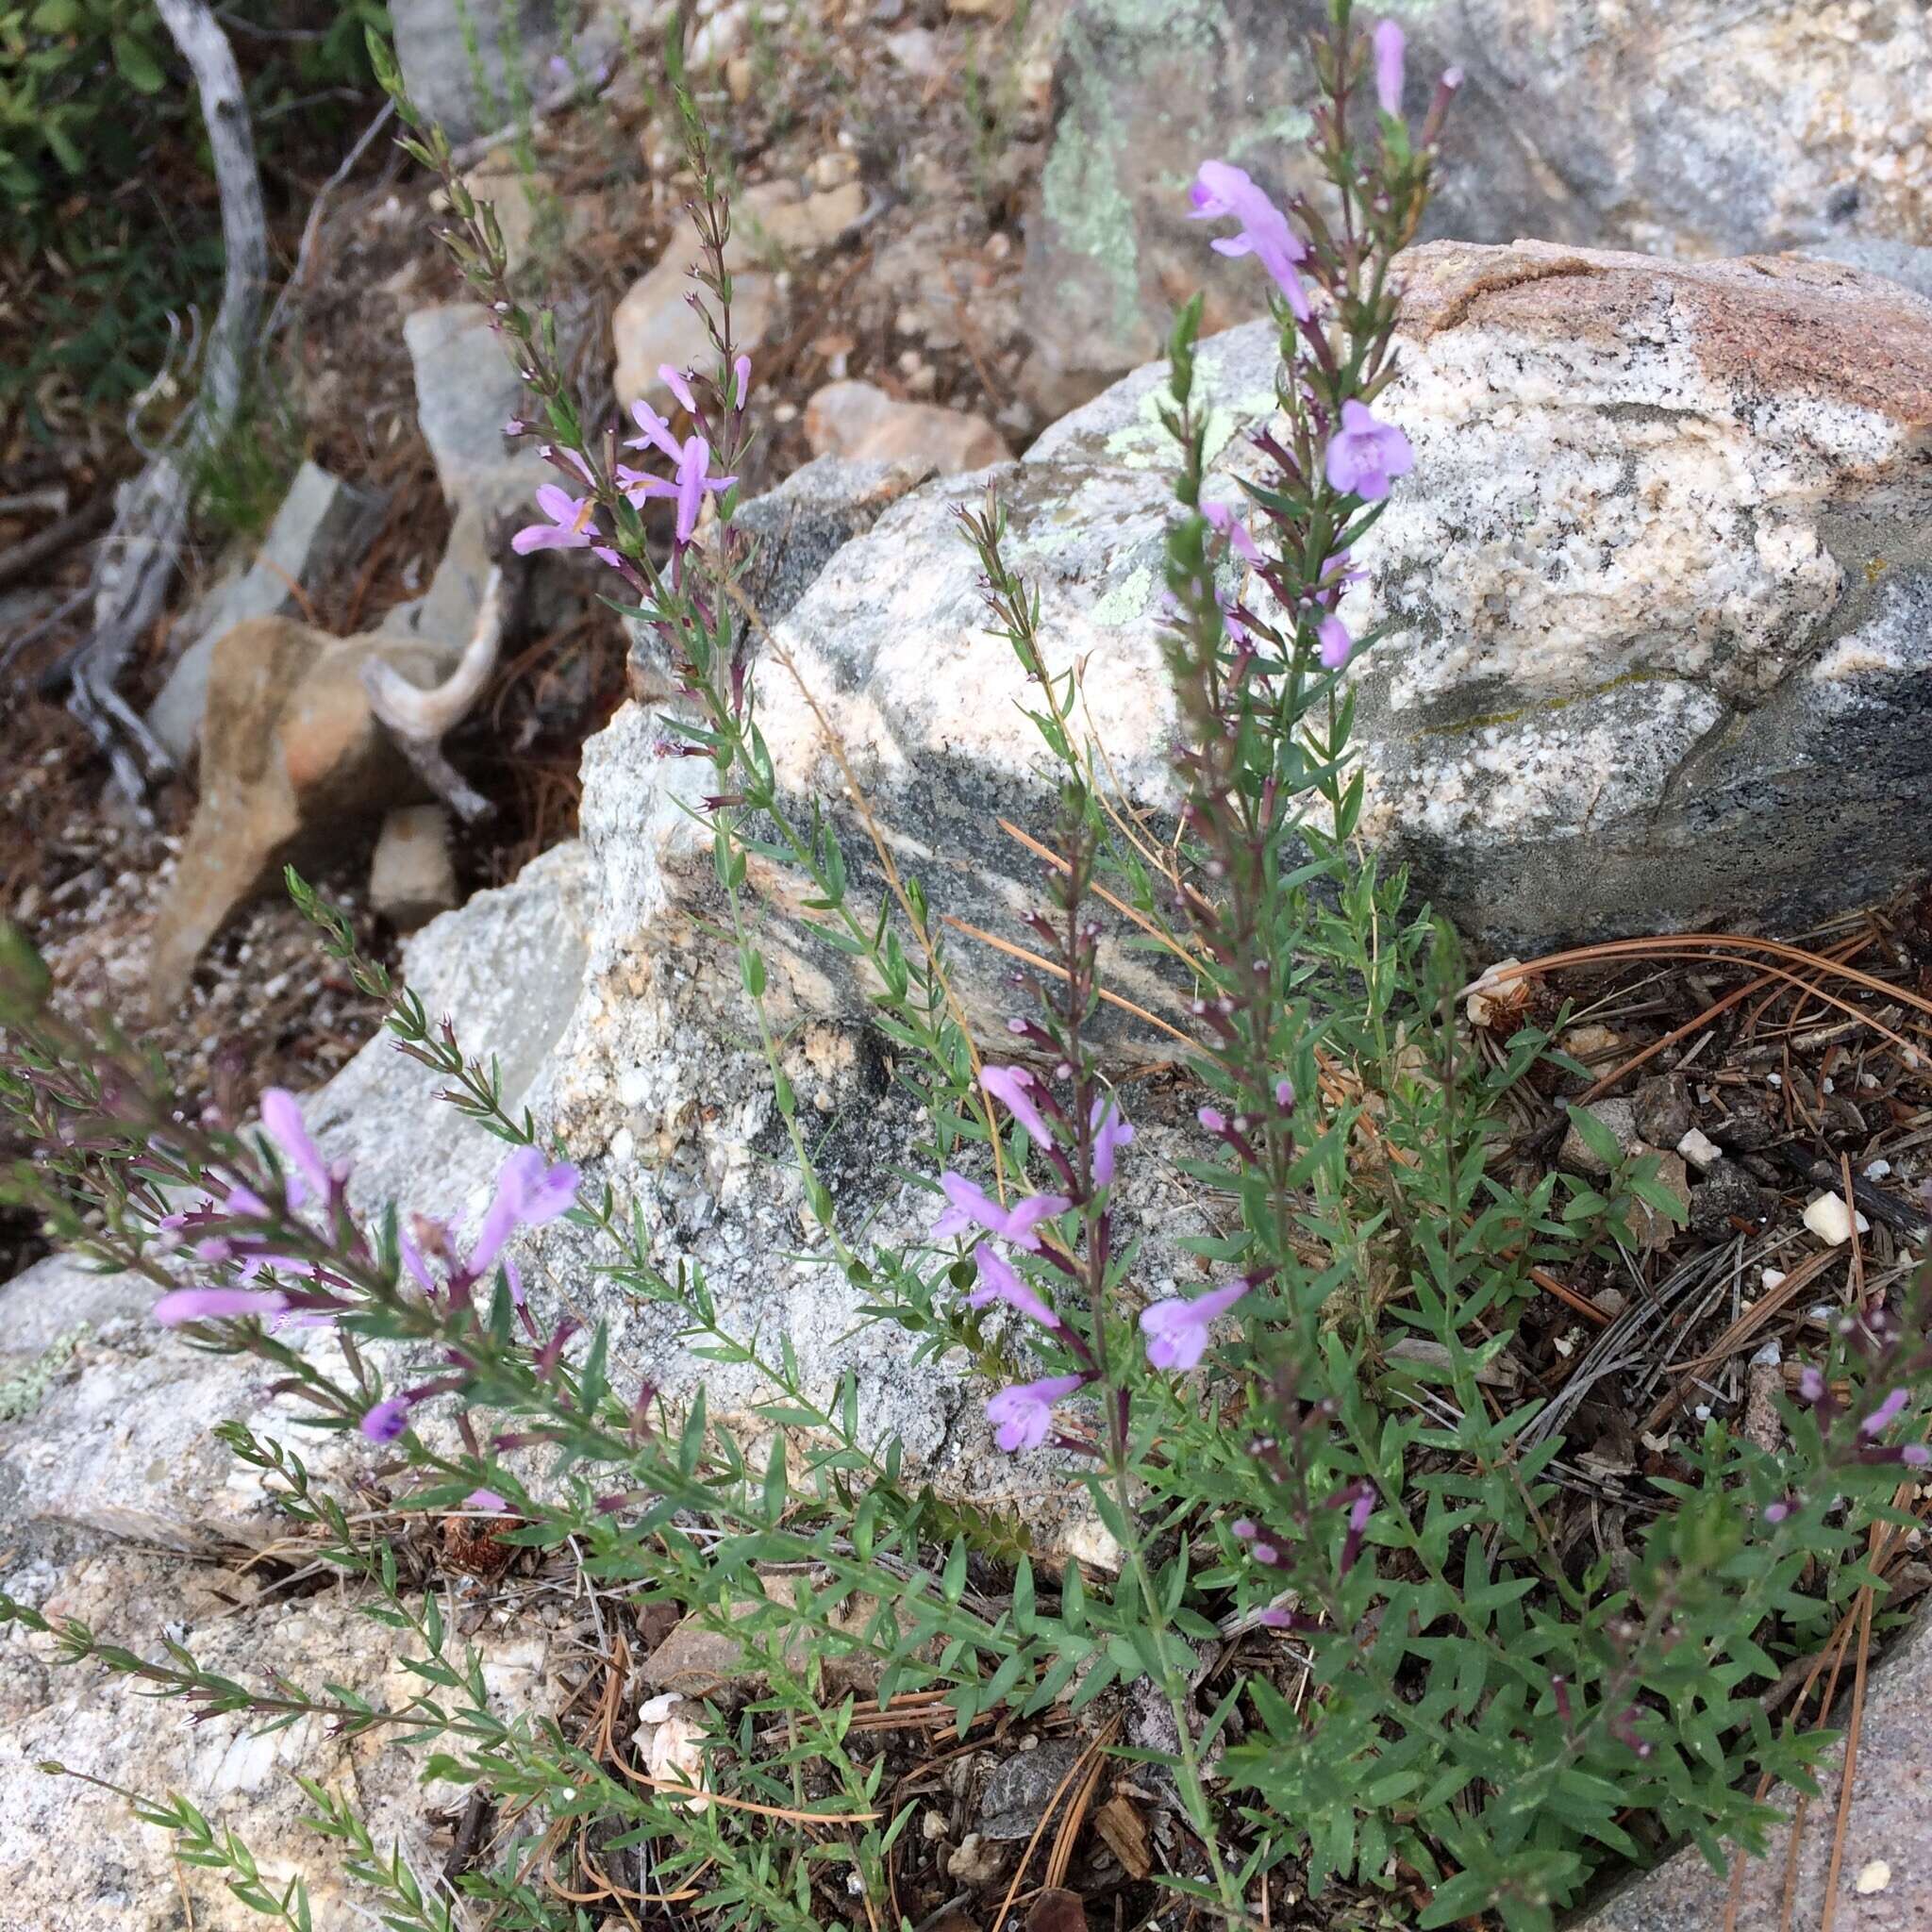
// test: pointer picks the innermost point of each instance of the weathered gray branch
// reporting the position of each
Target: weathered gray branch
(138, 559)
(418, 719)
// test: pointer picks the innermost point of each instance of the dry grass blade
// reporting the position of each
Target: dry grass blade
(1742, 1330)
(1670, 945)
(1047, 966)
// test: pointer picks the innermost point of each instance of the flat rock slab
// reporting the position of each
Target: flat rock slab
(1891, 1826)
(1657, 593)
(1680, 127)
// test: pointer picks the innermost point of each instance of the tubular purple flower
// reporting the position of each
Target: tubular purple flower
(1176, 1329)
(1112, 1132)
(657, 431)
(283, 1120)
(1221, 191)
(571, 525)
(970, 1207)
(741, 370)
(1023, 1414)
(1886, 1413)
(1915, 1455)
(1284, 1094)
(1008, 1084)
(673, 380)
(529, 1191)
(1335, 643)
(1365, 453)
(1359, 1514)
(485, 1499)
(1776, 1512)
(1389, 49)
(413, 1260)
(691, 466)
(1226, 523)
(214, 1304)
(999, 1282)
(387, 1420)
(1810, 1384)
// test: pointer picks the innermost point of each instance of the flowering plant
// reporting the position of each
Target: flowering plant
(1322, 1589)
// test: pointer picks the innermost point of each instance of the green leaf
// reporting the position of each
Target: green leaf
(139, 68)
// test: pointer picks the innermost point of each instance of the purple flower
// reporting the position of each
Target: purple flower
(529, 1191)
(1176, 1330)
(1776, 1512)
(971, 1208)
(999, 1282)
(741, 370)
(673, 380)
(211, 1304)
(1222, 190)
(1283, 1094)
(1222, 518)
(1364, 454)
(1335, 643)
(1009, 1085)
(283, 1120)
(387, 1420)
(1112, 1132)
(484, 1499)
(413, 1260)
(571, 525)
(1389, 46)
(1810, 1384)
(1021, 1415)
(656, 434)
(689, 486)
(1886, 1413)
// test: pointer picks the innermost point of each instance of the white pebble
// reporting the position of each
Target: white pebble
(1826, 1218)
(1773, 1277)
(1874, 1878)
(1700, 1150)
(1774, 1079)
(1879, 1170)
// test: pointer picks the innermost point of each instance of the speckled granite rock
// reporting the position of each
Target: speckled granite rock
(74, 1857)
(1658, 586)
(1892, 1792)
(1685, 127)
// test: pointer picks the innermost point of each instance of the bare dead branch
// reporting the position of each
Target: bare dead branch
(419, 719)
(137, 562)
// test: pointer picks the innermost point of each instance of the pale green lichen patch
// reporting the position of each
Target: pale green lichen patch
(1144, 443)
(1127, 600)
(21, 1395)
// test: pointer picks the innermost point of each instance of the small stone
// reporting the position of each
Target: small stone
(654, 324)
(412, 876)
(833, 169)
(805, 227)
(1663, 1108)
(1700, 1150)
(1827, 1218)
(976, 1862)
(1873, 1877)
(859, 419)
(917, 50)
(738, 77)
(1019, 1792)
(1726, 1194)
